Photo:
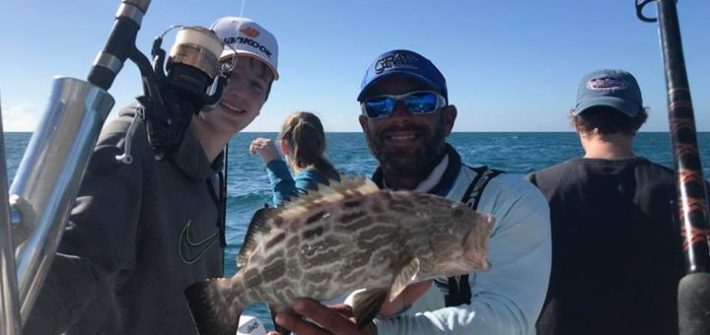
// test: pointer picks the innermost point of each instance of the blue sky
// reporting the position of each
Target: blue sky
(510, 65)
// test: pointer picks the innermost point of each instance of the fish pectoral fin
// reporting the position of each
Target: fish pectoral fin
(367, 304)
(477, 240)
(403, 278)
(261, 223)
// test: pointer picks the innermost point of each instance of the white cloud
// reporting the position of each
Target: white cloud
(23, 117)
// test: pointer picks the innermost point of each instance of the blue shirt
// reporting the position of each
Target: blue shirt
(284, 186)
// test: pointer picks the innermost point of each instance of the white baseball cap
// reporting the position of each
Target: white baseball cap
(243, 36)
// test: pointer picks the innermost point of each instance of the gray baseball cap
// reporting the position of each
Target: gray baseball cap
(617, 89)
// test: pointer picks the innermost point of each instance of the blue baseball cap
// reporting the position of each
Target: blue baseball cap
(617, 89)
(404, 62)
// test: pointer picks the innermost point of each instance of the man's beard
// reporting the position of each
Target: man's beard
(417, 163)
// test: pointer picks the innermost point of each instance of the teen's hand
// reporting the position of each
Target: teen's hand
(338, 319)
(265, 148)
(333, 319)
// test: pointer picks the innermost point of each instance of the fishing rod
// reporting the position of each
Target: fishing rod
(52, 167)
(694, 287)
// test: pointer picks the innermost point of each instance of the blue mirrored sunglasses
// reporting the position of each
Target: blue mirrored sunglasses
(417, 103)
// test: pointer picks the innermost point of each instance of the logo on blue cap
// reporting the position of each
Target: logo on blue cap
(607, 83)
(404, 62)
(393, 61)
(616, 89)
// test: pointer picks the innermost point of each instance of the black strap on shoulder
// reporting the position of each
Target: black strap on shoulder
(459, 289)
(217, 186)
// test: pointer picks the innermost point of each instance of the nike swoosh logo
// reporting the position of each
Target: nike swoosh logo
(191, 251)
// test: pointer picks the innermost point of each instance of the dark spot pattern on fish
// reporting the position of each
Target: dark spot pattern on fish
(275, 240)
(288, 291)
(382, 218)
(255, 258)
(315, 217)
(352, 203)
(359, 260)
(278, 221)
(349, 217)
(376, 208)
(374, 243)
(322, 253)
(293, 241)
(311, 287)
(359, 224)
(280, 289)
(293, 270)
(275, 269)
(313, 233)
(252, 278)
(400, 207)
(375, 237)
(318, 277)
(284, 291)
(351, 275)
(404, 203)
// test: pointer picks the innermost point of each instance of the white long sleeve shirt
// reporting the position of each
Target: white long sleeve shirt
(508, 298)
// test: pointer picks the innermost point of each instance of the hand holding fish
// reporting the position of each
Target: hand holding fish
(266, 149)
(338, 319)
(333, 319)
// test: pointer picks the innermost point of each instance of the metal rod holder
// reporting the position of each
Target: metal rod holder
(49, 176)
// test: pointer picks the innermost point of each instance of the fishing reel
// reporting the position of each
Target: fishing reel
(178, 87)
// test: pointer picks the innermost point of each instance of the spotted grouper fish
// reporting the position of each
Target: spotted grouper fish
(348, 236)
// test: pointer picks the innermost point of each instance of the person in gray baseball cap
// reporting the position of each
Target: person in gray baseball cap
(616, 252)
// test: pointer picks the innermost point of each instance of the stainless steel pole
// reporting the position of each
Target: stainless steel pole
(10, 322)
(49, 176)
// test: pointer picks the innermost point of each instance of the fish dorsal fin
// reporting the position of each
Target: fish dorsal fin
(326, 195)
(261, 223)
(403, 278)
(366, 305)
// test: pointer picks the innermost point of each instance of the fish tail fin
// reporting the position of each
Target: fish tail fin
(214, 306)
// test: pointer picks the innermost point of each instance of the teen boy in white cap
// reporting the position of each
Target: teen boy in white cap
(617, 255)
(140, 233)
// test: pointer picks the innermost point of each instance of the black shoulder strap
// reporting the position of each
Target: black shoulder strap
(459, 289)
(217, 185)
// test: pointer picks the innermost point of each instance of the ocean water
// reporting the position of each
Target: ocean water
(514, 152)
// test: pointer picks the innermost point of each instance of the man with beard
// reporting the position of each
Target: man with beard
(406, 118)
